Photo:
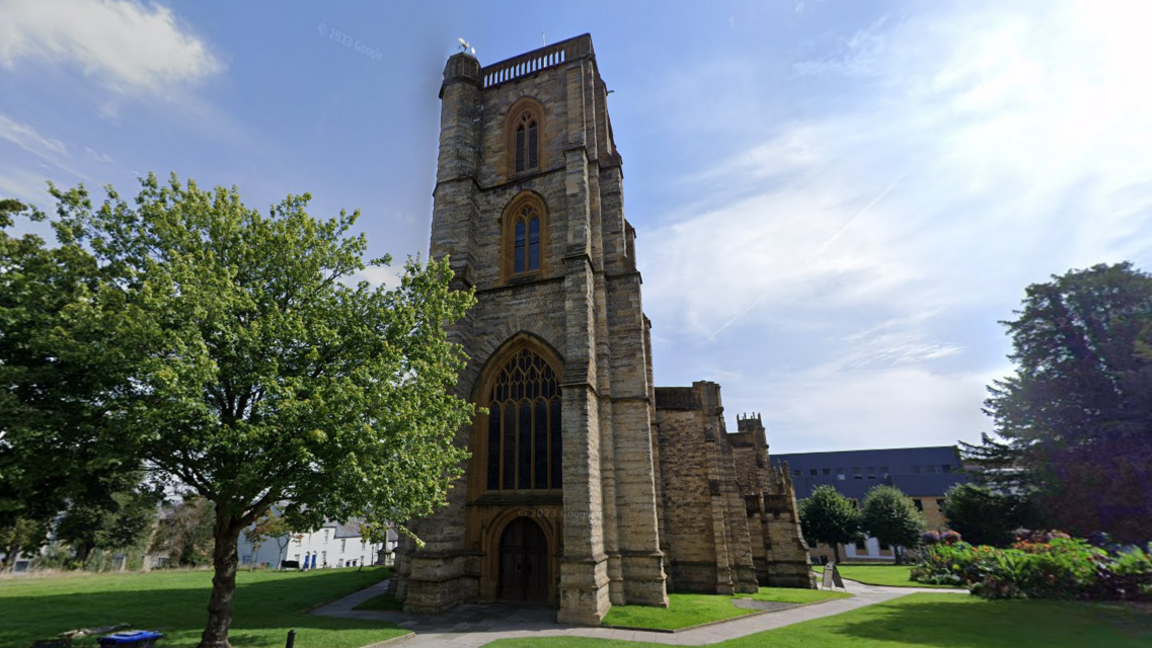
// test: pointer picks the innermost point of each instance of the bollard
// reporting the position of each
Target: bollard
(291, 639)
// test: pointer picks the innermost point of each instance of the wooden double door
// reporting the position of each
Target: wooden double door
(524, 562)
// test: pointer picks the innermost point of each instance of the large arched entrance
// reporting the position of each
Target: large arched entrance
(524, 562)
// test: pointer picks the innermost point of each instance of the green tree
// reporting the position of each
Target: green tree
(110, 516)
(986, 517)
(827, 516)
(184, 532)
(20, 535)
(271, 526)
(890, 517)
(260, 376)
(55, 441)
(1074, 421)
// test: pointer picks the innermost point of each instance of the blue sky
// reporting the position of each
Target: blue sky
(835, 201)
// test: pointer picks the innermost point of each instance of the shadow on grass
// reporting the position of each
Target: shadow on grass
(177, 603)
(963, 622)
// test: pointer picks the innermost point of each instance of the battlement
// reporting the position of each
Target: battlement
(536, 60)
(679, 398)
(749, 422)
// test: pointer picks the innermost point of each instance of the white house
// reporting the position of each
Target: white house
(332, 545)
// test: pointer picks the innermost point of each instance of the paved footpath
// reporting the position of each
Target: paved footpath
(470, 626)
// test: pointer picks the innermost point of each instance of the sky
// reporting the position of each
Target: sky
(836, 202)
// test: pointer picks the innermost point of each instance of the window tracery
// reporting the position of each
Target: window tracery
(524, 442)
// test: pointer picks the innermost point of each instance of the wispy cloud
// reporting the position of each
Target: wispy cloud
(966, 155)
(26, 137)
(125, 45)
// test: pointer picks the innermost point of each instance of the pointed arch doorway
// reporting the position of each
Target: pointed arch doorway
(524, 562)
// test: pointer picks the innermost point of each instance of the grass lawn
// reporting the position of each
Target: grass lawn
(890, 575)
(267, 605)
(687, 610)
(933, 621)
(793, 595)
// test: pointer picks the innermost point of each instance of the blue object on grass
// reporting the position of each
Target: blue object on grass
(131, 639)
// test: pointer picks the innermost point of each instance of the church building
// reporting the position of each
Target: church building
(587, 485)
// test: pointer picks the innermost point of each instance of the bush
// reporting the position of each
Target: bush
(1040, 564)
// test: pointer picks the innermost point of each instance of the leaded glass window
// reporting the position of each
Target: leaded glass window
(524, 441)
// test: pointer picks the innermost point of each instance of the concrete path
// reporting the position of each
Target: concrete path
(470, 626)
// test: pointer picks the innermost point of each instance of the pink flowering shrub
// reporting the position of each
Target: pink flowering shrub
(1047, 564)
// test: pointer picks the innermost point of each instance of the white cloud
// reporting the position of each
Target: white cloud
(387, 276)
(125, 45)
(962, 157)
(26, 137)
(995, 147)
(899, 407)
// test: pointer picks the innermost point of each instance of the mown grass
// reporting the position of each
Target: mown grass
(267, 605)
(932, 621)
(887, 575)
(687, 610)
(792, 595)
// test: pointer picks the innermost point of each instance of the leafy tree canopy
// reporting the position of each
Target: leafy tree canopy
(256, 372)
(891, 518)
(56, 443)
(827, 516)
(987, 517)
(1075, 420)
(114, 513)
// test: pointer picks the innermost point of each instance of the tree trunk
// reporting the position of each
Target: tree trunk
(836, 552)
(225, 559)
(10, 553)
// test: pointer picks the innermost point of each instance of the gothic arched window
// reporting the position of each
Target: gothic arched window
(527, 142)
(524, 447)
(526, 250)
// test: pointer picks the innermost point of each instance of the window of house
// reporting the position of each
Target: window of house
(343, 545)
(884, 472)
(871, 472)
(931, 469)
(323, 558)
(524, 445)
(840, 474)
(856, 474)
(946, 468)
(915, 470)
(826, 471)
(860, 545)
(796, 472)
(325, 536)
(919, 504)
(527, 143)
(812, 471)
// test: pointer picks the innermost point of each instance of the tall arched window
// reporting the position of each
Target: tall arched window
(524, 444)
(526, 250)
(527, 143)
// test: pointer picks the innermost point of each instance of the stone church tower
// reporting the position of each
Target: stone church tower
(564, 496)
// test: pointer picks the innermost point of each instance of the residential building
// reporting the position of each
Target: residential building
(333, 545)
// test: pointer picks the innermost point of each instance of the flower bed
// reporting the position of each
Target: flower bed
(1046, 564)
